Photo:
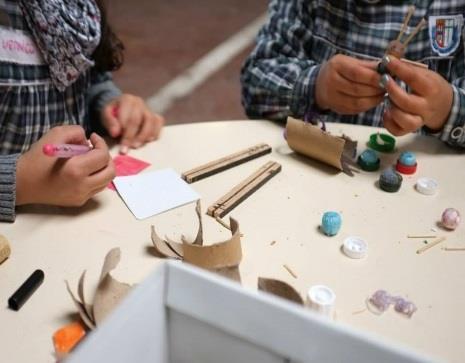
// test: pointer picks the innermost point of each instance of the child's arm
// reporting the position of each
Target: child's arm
(433, 102)
(42, 179)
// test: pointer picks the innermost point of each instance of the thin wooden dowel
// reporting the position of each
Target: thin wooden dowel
(432, 244)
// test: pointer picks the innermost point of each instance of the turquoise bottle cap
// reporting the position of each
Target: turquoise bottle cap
(390, 181)
(368, 160)
(382, 142)
(407, 158)
(331, 223)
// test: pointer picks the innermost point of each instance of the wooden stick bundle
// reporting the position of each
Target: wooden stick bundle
(225, 163)
(243, 190)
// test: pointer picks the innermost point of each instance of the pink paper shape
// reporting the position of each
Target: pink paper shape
(126, 165)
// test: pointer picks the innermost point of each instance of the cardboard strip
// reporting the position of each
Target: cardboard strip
(309, 140)
(226, 162)
(223, 257)
(243, 190)
(216, 256)
(280, 288)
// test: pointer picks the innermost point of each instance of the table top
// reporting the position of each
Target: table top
(288, 209)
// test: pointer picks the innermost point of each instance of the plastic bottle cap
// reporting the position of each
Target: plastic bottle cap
(406, 169)
(382, 142)
(426, 186)
(355, 247)
(408, 158)
(390, 181)
(368, 160)
(321, 299)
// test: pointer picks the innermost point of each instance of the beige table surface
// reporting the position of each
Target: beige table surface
(288, 210)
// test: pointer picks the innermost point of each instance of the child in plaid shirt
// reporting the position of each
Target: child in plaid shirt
(320, 58)
(55, 59)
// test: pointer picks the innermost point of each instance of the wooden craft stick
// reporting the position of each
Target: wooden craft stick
(414, 236)
(225, 163)
(243, 190)
(416, 64)
(290, 271)
(432, 244)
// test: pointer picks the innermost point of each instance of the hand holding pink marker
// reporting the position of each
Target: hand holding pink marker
(65, 150)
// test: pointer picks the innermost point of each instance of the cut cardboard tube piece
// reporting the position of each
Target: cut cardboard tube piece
(222, 257)
(309, 140)
(280, 288)
(5, 249)
(108, 295)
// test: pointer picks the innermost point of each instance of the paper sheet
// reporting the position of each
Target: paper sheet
(126, 165)
(153, 193)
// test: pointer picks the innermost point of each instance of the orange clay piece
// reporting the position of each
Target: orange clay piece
(65, 338)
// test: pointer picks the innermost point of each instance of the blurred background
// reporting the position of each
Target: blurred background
(184, 56)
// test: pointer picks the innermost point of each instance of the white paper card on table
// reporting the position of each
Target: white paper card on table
(155, 192)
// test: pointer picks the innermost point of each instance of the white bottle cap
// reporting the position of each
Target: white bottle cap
(354, 247)
(426, 186)
(321, 299)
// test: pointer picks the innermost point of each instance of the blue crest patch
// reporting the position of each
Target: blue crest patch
(445, 33)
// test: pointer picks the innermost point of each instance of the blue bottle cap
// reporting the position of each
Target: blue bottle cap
(368, 160)
(407, 158)
(390, 181)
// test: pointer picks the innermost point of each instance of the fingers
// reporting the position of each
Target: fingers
(416, 78)
(408, 102)
(358, 71)
(400, 123)
(96, 159)
(356, 89)
(111, 121)
(349, 105)
(131, 118)
(70, 134)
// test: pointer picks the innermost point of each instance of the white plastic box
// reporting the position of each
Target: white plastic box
(183, 314)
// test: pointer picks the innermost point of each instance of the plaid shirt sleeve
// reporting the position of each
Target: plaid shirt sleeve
(278, 79)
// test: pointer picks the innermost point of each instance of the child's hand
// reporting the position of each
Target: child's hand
(429, 103)
(348, 86)
(65, 182)
(129, 117)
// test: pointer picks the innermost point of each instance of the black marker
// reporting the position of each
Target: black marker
(26, 290)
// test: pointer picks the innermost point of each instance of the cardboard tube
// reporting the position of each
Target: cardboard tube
(309, 140)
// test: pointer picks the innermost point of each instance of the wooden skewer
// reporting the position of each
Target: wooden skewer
(225, 163)
(453, 248)
(243, 190)
(432, 244)
(410, 12)
(290, 271)
(413, 236)
(414, 32)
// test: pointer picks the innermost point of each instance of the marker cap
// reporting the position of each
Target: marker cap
(354, 247)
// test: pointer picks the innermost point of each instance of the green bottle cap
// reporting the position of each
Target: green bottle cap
(382, 142)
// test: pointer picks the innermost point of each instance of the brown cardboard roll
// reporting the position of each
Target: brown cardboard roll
(309, 140)
(5, 249)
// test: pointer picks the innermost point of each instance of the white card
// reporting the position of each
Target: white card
(155, 192)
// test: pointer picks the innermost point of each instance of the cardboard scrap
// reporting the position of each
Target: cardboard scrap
(309, 140)
(5, 249)
(222, 257)
(280, 288)
(107, 296)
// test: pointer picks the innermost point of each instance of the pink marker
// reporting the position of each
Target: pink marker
(115, 111)
(65, 150)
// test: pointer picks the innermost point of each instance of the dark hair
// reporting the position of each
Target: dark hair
(109, 54)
